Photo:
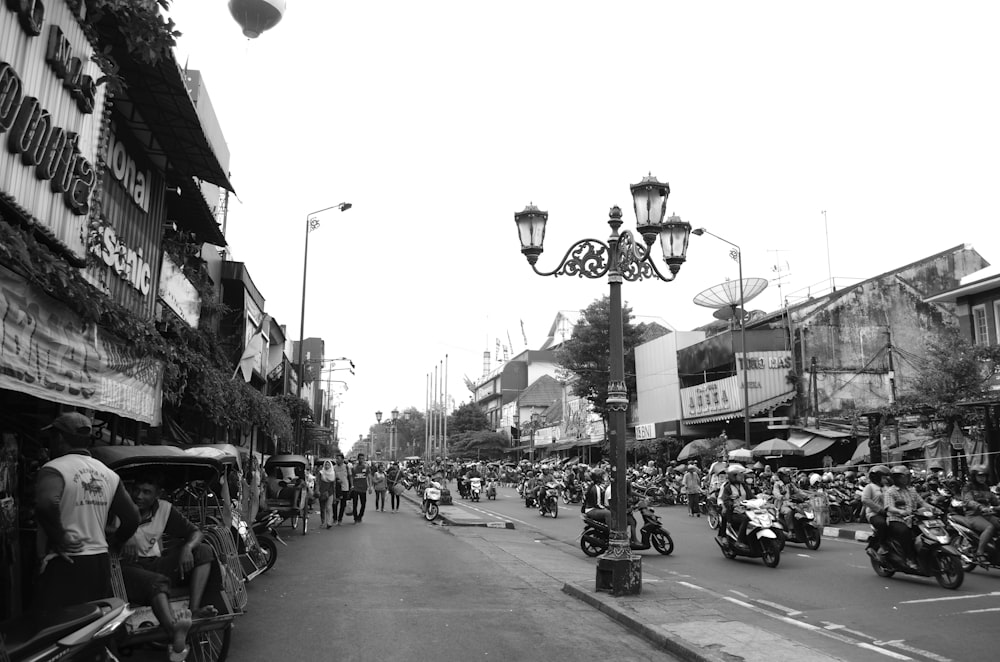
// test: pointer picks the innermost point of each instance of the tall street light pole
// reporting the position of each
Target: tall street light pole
(621, 258)
(311, 224)
(743, 331)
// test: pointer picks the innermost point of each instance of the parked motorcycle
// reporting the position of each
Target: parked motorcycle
(804, 530)
(265, 527)
(965, 539)
(79, 632)
(760, 539)
(935, 555)
(549, 500)
(432, 497)
(595, 538)
(475, 488)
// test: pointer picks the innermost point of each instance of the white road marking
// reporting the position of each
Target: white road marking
(742, 595)
(690, 585)
(788, 611)
(892, 654)
(980, 611)
(951, 597)
(900, 644)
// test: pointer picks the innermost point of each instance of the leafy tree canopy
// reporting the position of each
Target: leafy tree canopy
(585, 359)
(953, 370)
(483, 444)
(468, 417)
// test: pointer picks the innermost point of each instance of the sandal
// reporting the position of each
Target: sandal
(181, 656)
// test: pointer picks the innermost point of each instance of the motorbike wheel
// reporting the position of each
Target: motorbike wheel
(835, 514)
(770, 552)
(880, 569)
(713, 520)
(662, 541)
(269, 548)
(431, 512)
(949, 570)
(591, 549)
(728, 552)
(554, 508)
(210, 645)
(305, 522)
(964, 547)
(813, 538)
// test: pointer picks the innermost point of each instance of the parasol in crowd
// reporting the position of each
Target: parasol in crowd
(695, 448)
(776, 446)
(740, 455)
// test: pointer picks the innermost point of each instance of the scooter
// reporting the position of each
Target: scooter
(475, 488)
(491, 490)
(595, 538)
(432, 496)
(965, 539)
(266, 529)
(804, 530)
(550, 500)
(572, 493)
(935, 555)
(77, 632)
(760, 541)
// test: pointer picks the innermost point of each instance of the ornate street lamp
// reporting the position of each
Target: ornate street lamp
(621, 258)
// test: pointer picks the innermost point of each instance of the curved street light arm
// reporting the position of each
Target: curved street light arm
(587, 258)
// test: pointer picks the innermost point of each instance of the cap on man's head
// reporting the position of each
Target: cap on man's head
(71, 423)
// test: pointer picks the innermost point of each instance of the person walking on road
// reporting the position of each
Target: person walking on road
(361, 487)
(692, 486)
(342, 487)
(327, 487)
(394, 477)
(379, 484)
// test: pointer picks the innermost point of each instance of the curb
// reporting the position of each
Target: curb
(674, 645)
(847, 534)
(502, 524)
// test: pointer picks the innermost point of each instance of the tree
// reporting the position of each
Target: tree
(585, 359)
(952, 370)
(481, 445)
(468, 417)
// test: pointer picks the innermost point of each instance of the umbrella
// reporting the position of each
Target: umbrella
(694, 449)
(734, 444)
(776, 447)
(740, 455)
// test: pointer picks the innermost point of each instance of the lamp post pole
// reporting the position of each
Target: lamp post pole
(311, 224)
(621, 258)
(743, 332)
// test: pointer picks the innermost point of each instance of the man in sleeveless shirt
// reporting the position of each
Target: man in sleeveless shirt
(74, 496)
(361, 487)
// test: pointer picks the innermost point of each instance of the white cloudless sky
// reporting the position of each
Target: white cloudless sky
(439, 120)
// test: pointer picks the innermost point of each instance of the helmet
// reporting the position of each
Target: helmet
(978, 470)
(813, 479)
(828, 477)
(784, 471)
(850, 475)
(879, 469)
(900, 470)
(735, 469)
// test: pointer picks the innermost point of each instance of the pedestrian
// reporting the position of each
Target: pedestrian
(379, 484)
(327, 493)
(361, 487)
(75, 495)
(394, 478)
(342, 487)
(692, 486)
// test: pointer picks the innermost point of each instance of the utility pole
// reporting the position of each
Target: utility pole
(892, 385)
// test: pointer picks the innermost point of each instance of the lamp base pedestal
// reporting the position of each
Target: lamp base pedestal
(620, 575)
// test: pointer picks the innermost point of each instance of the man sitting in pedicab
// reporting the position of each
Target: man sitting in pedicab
(149, 573)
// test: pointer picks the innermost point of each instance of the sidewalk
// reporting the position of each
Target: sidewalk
(689, 622)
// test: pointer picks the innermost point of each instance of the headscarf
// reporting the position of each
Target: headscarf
(327, 473)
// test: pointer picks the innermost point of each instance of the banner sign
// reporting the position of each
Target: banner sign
(645, 431)
(47, 351)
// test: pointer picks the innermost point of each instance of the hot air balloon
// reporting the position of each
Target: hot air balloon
(256, 16)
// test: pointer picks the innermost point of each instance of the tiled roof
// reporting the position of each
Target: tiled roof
(542, 392)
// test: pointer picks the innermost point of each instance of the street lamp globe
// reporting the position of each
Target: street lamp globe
(531, 229)
(395, 414)
(650, 199)
(674, 242)
(378, 416)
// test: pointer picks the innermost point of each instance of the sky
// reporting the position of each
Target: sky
(439, 120)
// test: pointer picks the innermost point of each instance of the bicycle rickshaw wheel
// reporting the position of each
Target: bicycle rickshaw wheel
(210, 645)
(305, 520)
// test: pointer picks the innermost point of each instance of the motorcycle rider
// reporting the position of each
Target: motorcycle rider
(784, 493)
(595, 500)
(979, 503)
(901, 501)
(872, 497)
(732, 493)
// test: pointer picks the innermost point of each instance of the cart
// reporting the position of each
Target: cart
(195, 486)
(286, 489)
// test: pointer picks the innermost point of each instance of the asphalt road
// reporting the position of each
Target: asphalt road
(397, 588)
(833, 588)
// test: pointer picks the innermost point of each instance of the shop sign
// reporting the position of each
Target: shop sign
(178, 293)
(766, 373)
(48, 352)
(128, 264)
(645, 431)
(123, 168)
(47, 116)
(718, 397)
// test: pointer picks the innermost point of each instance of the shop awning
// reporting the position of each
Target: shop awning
(189, 209)
(771, 403)
(817, 445)
(755, 408)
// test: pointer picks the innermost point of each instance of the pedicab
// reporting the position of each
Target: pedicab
(195, 486)
(257, 554)
(286, 489)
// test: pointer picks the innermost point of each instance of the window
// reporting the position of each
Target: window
(980, 332)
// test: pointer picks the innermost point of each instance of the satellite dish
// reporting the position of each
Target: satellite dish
(256, 16)
(727, 295)
(729, 313)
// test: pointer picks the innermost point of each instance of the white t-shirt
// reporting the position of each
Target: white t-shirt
(88, 489)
